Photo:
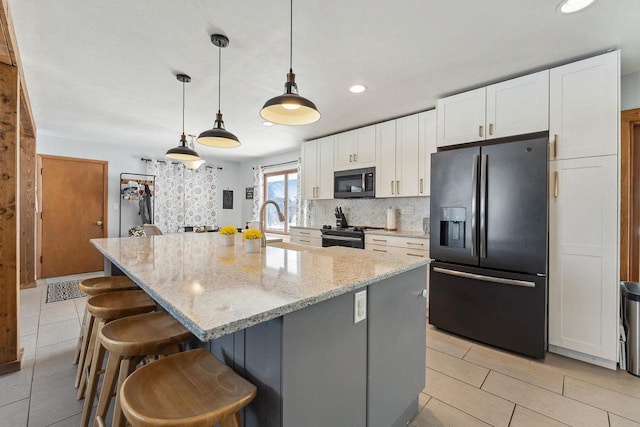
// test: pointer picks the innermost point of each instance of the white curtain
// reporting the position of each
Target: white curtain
(183, 196)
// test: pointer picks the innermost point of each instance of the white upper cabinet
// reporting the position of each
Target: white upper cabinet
(584, 108)
(317, 168)
(518, 106)
(356, 149)
(427, 146)
(461, 118)
(399, 154)
(512, 107)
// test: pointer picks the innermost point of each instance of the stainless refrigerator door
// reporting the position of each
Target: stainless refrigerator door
(513, 206)
(502, 309)
(453, 205)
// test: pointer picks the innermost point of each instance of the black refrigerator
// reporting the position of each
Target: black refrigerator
(489, 228)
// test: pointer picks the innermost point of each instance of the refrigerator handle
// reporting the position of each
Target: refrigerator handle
(474, 203)
(483, 206)
(482, 277)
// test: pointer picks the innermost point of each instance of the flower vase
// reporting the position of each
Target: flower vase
(252, 245)
(227, 239)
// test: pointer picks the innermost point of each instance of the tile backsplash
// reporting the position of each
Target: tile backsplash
(368, 212)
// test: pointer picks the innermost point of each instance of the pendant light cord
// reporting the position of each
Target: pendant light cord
(219, 75)
(291, 38)
(183, 82)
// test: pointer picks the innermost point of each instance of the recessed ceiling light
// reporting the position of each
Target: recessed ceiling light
(571, 6)
(357, 88)
(266, 123)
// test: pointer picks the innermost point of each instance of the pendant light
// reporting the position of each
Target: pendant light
(218, 136)
(182, 152)
(290, 108)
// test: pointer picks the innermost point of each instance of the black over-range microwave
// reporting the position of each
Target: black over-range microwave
(354, 183)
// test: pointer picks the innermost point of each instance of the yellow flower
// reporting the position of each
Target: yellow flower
(228, 230)
(251, 233)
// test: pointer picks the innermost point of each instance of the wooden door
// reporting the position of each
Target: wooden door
(73, 210)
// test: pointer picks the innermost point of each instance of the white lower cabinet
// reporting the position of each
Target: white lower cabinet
(306, 236)
(583, 258)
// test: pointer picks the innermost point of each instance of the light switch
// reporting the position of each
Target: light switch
(360, 306)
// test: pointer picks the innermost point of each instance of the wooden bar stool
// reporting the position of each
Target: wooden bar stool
(104, 308)
(92, 287)
(130, 340)
(187, 389)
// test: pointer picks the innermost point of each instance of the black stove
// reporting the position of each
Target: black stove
(352, 237)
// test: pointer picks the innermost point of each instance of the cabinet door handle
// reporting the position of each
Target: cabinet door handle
(490, 129)
(305, 232)
(555, 146)
(556, 190)
(379, 240)
(414, 243)
(392, 187)
(350, 158)
(480, 131)
(355, 157)
(379, 250)
(421, 186)
(410, 254)
(317, 192)
(306, 241)
(397, 188)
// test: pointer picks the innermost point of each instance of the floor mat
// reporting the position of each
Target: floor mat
(61, 291)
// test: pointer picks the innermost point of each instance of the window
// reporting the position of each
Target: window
(282, 188)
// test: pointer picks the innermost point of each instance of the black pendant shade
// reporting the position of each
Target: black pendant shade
(290, 108)
(218, 136)
(182, 152)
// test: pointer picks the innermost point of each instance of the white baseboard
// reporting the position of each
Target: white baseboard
(605, 363)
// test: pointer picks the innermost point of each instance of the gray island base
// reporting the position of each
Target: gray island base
(290, 329)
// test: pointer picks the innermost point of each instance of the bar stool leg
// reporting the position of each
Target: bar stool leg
(86, 364)
(76, 356)
(127, 366)
(86, 339)
(232, 420)
(108, 385)
(92, 382)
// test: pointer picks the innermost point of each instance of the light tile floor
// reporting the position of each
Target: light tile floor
(468, 384)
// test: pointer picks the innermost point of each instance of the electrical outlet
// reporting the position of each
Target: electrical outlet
(360, 306)
(407, 210)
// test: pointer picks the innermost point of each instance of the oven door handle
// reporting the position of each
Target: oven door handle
(501, 280)
(344, 238)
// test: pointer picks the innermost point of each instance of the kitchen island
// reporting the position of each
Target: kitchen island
(286, 320)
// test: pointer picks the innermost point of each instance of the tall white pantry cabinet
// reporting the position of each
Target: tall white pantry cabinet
(584, 220)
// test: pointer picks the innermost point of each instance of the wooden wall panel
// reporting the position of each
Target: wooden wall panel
(10, 352)
(27, 212)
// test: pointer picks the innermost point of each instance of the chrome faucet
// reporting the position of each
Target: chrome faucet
(280, 216)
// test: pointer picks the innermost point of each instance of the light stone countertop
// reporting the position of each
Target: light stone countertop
(216, 290)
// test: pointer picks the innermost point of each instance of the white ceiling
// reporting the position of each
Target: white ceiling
(104, 71)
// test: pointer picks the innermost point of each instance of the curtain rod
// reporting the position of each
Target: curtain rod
(278, 164)
(177, 163)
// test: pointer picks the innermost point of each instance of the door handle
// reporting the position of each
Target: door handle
(556, 189)
(480, 131)
(355, 157)
(555, 146)
(397, 188)
(490, 128)
(99, 223)
(483, 206)
(501, 280)
(421, 186)
(392, 187)
(474, 200)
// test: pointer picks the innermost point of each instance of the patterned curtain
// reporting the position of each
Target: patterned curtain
(258, 192)
(183, 196)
